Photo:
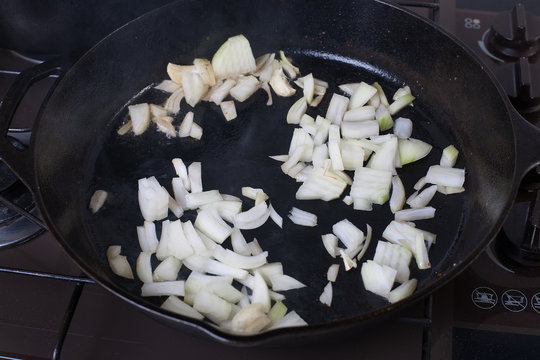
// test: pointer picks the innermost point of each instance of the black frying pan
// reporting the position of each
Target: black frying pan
(75, 149)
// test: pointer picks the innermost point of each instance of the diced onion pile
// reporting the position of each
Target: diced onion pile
(236, 288)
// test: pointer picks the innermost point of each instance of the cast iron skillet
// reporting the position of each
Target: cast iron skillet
(75, 149)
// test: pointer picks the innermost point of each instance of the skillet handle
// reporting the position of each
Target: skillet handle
(13, 150)
(527, 138)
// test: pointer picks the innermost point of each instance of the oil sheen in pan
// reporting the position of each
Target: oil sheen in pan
(235, 154)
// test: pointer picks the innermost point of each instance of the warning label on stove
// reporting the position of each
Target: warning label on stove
(484, 297)
(535, 302)
(514, 300)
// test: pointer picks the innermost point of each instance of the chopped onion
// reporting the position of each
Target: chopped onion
(448, 190)
(420, 183)
(326, 296)
(233, 58)
(164, 288)
(164, 125)
(198, 199)
(239, 244)
(252, 218)
(194, 87)
(333, 147)
(195, 179)
(206, 71)
(144, 267)
(221, 91)
(380, 92)
(349, 88)
(176, 242)
(395, 256)
(378, 278)
(277, 312)
(412, 150)
(172, 104)
(282, 282)
(177, 306)
(275, 216)
(168, 85)
(397, 200)
(449, 156)
(118, 263)
(423, 198)
(212, 306)
(296, 111)
(240, 261)
(347, 261)
(292, 319)
(348, 234)
(140, 117)
(250, 320)
(245, 87)
(287, 62)
(316, 101)
(445, 176)
(153, 199)
(281, 158)
(181, 171)
(309, 85)
(352, 153)
(194, 239)
(253, 193)
(280, 84)
(270, 269)
(361, 95)
(336, 109)
(196, 131)
(384, 118)
(332, 273)
(421, 253)
(372, 184)
(359, 129)
(300, 138)
(384, 158)
(362, 113)
(228, 108)
(322, 184)
(266, 71)
(301, 217)
(167, 270)
(400, 103)
(226, 209)
(405, 235)
(294, 157)
(403, 128)
(212, 225)
(402, 291)
(176, 72)
(97, 200)
(401, 92)
(185, 126)
(255, 247)
(266, 88)
(260, 293)
(180, 192)
(348, 200)
(415, 214)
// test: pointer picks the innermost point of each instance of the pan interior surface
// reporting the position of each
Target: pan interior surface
(456, 102)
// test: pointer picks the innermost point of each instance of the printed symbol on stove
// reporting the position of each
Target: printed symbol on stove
(514, 300)
(535, 302)
(484, 297)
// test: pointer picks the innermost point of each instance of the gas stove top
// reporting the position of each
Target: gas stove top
(492, 310)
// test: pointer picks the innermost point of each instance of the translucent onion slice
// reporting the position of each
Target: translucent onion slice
(168, 86)
(140, 117)
(185, 126)
(296, 111)
(449, 156)
(360, 114)
(177, 306)
(275, 216)
(420, 183)
(172, 104)
(332, 273)
(282, 282)
(260, 293)
(266, 88)
(221, 91)
(119, 263)
(321, 184)
(233, 58)
(352, 153)
(309, 86)
(378, 278)
(153, 199)
(173, 241)
(397, 199)
(403, 128)
(228, 108)
(445, 176)
(280, 84)
(402, 291)
(384, 118)
(422, 199)
(347, 261)
(176, 72)
(205, 70)
(193, 238)
(349, 88)
(348, 233)
(239, 243)
(292, 319)
(212, 225)
(245, 87)
(212, 306)
(421, 252)
(97, 200)
(198, 199)
(380, 92)
(194, 87)
(359, 129)
(252, 218)
(334, 150)
(255, 247)
(300, 138)
(400, 103)
(233, 259)
(415, 214)
(336, 109)
(226, 209)
(270, 269)
(195, 177)
(164, 288)
(144, 267)
(250, 320)
(411, 150)
(327, 294)
(405, 235)
(167, 270)
(277, 312)
(372, 184)
(395, 256)
(196, 131)
(361, 95)
(301, 217)
(330, 242)
(384, 158)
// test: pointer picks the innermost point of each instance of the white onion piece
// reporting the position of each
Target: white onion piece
(233, 259)
(175, 207)
(218, 268)
(244, 88)
(359, 129)
(332, 273)
(252, 218)
(275, 216)
(196, 131)
(250, 320)
(400, 103)
(194, 239)
(383, 159)
(308, 123)
(244, 301)
(260, 293)
(212, 306)
(269, 269)
(362, 204)
(225, 291)
(177, 306)
(347, 261)
(212, 225)
(378, 278)
(277, 312)
(348, 233)
(423, 198)
(401, 92)
(403, 128)
(333, 147)
(303, 175)
(323, 126)
(233, 58)
(361, 95)
(397, 199)
(405, 235)
(261, 61)
(412, 150)
(176, 72)
(221, 91)
(176, 243)
(281, 158)
(153, 199)
(172, 104)
(181, 171)
(164, 125)
(317, 100)
(255, 247)
(168, 86)
(382, 97)
(282, 282)
(167, 270)
(292, 319)
(402, 291)
(185, 126)
(280, 84)
(330, 242)
(141, 235)
(327, 294)
(348, 200)
(375, 101)
(97, 200)
(197, 281)
(448, 190)
(421, 252)
(301, 217)
(144, 267)
(300, 138)
(205, 70)
(194, 87)
(266, 88)
(360, 114)
(420, 183)
(195, 179)
(371, 184)
(309, 86)
(369, 235)
(294, 158)
(295, 70)
(296, 111)
(180, 192)
(320, 154)
(266, 70)
(449, 156)
(140, 117)
(395, 256)
(164, 288)
(352, 153)
(239, 244)
(198, 199)
(252, 193)
(119, 263)
(445, 176)
(349, 88)
(383, 117)
(336, 109)
(228, 108)
(226, 209)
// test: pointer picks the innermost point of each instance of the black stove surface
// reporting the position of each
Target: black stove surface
(491, 311)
